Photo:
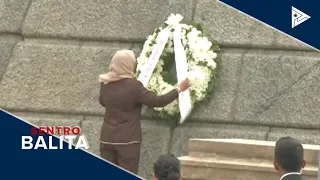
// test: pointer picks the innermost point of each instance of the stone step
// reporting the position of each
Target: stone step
(242, 149)
(225, 168)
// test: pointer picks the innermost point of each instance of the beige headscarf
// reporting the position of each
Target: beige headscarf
(121, 66)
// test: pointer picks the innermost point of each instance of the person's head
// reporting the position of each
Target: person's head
(167, 167)
(123, 62)
(288, 155)
(122, 65)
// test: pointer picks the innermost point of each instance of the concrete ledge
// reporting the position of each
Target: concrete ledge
(187, 131)
(236, 169)
(241, 148)
(238, 164)
(238, 159)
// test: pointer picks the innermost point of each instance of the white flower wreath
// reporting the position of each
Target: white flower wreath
(201, 55)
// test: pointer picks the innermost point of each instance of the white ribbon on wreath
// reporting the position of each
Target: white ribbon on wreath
(185, 105)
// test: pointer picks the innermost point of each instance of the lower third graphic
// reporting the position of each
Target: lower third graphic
(298, 17)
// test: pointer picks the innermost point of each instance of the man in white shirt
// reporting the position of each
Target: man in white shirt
(288, 158)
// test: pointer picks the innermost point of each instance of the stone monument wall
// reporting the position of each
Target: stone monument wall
(52, 51)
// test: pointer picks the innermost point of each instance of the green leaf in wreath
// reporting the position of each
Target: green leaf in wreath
(148, 54)
(169, 78)
(198, 26)
(169, 62)
(138, 73)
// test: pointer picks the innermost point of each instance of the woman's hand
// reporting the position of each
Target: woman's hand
(184, 85)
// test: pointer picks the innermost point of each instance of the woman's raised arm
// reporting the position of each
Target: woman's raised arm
(151, 99)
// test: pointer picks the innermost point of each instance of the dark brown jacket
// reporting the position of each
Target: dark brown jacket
(123, 101)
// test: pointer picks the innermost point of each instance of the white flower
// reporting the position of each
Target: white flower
(142, 59)
(193, 34)
(146, 48)
(211, 63)
(169, 48)
(204, 44)
(159, 68)
(212, 54)
(184, 26)
(184, 32)
(150, 39)
(170, 36)
(196, 76)
(174, 20)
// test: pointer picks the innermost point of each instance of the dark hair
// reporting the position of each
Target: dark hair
(167, 167)
(289, 154)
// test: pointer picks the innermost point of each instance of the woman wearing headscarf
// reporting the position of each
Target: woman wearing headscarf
(123, 95)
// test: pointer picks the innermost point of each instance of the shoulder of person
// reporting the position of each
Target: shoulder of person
(133, 83)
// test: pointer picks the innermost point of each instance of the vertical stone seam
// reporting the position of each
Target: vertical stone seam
(275, 37)
(9, 59)
(195, 4)
(132, 46)
(169, 2)
(317, 159)
(236, 93)
(80, 125)
(169, 149)
(170, 6)
(25, 15)
(250, 37)
(268, 132)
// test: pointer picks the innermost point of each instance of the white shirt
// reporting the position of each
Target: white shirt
(287, 174)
